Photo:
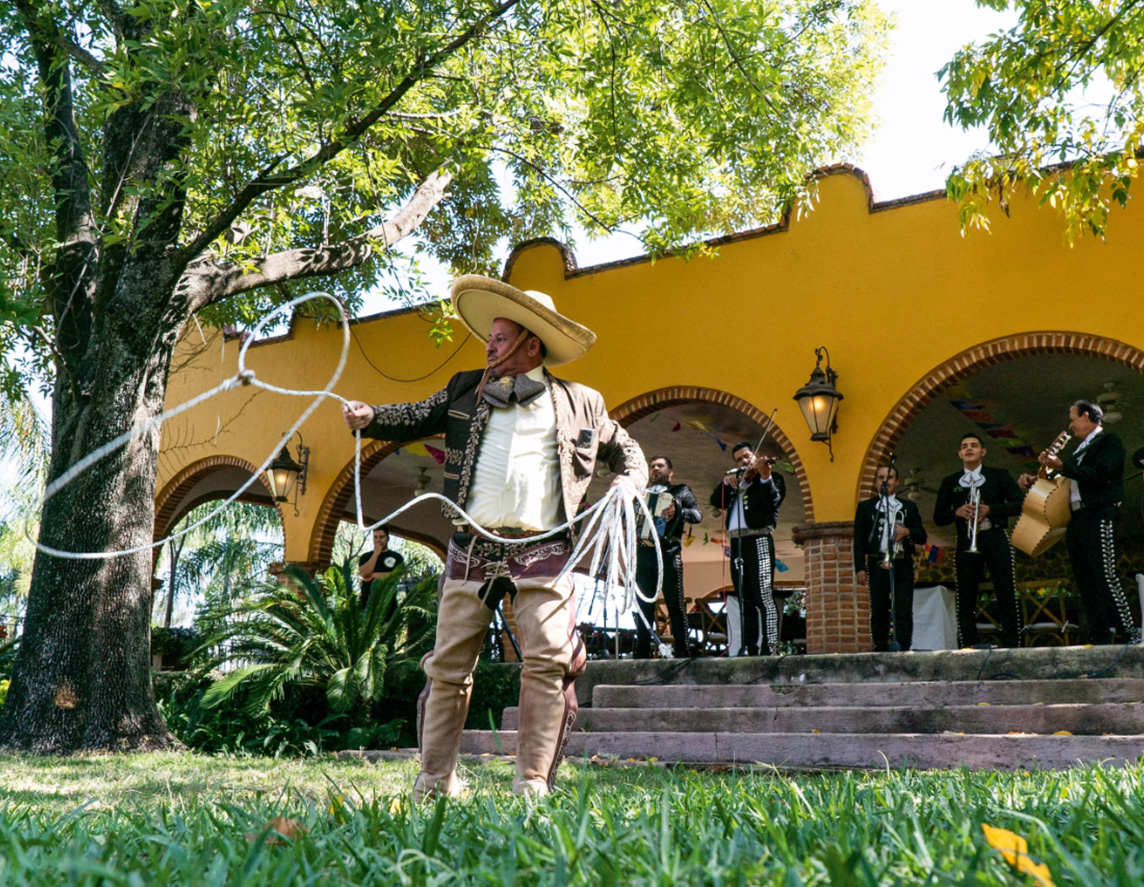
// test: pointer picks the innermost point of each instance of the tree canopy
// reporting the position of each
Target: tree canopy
(161, 159)
(297, 131)
(1060, 97)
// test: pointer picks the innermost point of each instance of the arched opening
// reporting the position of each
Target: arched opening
(696, 428)
(207, 480)
(391, 475)
(230, 547)
(1015, 394)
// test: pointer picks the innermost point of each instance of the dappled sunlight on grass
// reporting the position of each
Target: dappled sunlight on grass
(108, 781)
(191, 819)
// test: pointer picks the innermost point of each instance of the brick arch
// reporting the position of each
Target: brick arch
(171, 503)
(970, 361)
(341, 494)
(654, 401)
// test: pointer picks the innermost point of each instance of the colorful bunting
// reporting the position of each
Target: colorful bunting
(438, 455)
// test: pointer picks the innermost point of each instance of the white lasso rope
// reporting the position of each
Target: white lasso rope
(243, 376)
(611, 528)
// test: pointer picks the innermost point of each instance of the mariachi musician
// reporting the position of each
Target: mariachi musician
(991, 496)
(667, 531)
(750, 496)
(886, 529)
(1096, 469)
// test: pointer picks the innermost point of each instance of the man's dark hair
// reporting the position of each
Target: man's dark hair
(970, 434)
(665, 459)
(743, 443)
(384, 528)
(1095, 413)
(891, 469)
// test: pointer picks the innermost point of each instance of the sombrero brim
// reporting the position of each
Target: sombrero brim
(480, 300)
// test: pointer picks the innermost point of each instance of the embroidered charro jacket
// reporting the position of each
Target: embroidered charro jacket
(585, 433)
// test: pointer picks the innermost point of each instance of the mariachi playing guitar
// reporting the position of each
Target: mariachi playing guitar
(1045, 513)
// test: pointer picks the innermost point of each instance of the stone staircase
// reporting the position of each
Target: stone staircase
(1020, 709)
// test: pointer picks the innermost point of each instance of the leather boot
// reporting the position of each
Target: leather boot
(441, 712)
(546, 720)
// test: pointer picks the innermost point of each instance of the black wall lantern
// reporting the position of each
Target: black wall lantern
(819, 399)
(285, 476)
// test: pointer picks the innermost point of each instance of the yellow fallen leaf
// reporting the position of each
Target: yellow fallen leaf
(983, 703)
(815, 731)
(653, 759)
(1015, 851)
(1062, 733)
(287, 828)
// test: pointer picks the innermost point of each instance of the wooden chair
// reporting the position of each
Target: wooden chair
(988, 625)
(1044, 612)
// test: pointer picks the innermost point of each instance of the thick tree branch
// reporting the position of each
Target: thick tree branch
(205, 282)
(81, 55)
(265, 183)
(115, 16)
(71, 272)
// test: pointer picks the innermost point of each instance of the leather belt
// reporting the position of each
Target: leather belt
(475, 558)
(504, 532)
(750, 534)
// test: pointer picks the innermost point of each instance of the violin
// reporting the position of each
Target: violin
(753, 470)
(757, 458)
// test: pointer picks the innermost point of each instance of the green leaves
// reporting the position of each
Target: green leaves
(1061, 99)
(313, 631)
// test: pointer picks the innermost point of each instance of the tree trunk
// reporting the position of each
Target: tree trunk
(82, 675)
(175, 548)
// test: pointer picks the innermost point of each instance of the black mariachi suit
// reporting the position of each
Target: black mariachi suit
(671, 549)
(1001, 493)
(753, 558)
(868, 532)
(1098, 470)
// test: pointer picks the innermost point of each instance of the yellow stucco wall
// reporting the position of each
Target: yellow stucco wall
(893, 292)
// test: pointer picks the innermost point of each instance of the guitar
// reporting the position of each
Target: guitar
(1046, 511)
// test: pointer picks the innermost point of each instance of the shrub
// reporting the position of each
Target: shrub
(175, 645)
(312, 633)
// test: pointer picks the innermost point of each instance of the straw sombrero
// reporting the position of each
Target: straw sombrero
(481, 300)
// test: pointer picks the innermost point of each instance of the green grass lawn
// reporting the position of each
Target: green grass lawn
(193, 820)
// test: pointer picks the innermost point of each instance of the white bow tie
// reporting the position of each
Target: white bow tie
(972, 478)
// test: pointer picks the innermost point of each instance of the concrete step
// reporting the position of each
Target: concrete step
(1125, 719)
(838, 750)
(918, 693)
(1029, 664)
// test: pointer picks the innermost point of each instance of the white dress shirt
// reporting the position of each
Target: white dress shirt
(738, 520)
(516, 479)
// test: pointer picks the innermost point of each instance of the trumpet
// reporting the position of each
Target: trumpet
(893, 547)
(975, 501)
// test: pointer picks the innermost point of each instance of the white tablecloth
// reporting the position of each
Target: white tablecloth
(935, 620)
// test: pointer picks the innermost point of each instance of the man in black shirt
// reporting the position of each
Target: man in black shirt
(999, 498)
(667, 532)
(1096, 469)
(377, 563)
(883, 539)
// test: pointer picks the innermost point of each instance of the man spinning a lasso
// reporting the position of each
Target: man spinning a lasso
(520, 450)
